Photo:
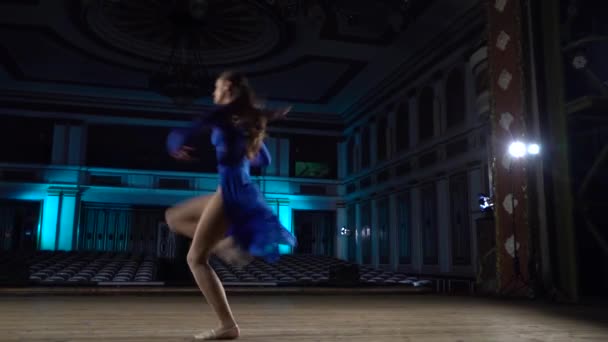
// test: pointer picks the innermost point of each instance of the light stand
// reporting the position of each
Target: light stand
(517, 150)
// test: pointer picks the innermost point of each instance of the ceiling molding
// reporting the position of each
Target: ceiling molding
(353, 68)
(140, 109)
(463, 31)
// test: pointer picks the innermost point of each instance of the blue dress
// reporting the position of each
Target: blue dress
(253, 224)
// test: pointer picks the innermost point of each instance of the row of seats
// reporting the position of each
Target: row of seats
(95, 267)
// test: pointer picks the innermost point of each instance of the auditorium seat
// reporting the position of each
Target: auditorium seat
(94, 267)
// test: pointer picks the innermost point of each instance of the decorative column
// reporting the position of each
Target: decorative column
(394, 230)
(475, 183)
(443, 225)
(440, 112)
(342, 159)
(391, 136)
(481, 113)
(507, 118)
(285, 216)
(341, 240)
(413, 118)
(357, 232)
(373, 143)
(283, 156)
(415, 200)
(478, 62)
(59, 219)
(375, 224)
(69, 144)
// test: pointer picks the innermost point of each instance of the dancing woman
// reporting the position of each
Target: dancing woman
(236, 216)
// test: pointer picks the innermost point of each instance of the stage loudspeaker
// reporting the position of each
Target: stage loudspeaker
(344, 275)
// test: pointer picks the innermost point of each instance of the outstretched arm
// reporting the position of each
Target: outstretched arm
(263, 158)
(180, 139)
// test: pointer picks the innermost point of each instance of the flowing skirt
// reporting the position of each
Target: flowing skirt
(254, 226)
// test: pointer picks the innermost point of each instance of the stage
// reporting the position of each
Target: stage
(292, 317)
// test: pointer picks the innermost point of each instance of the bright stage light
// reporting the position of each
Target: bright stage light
(533, 149)
(517, 149)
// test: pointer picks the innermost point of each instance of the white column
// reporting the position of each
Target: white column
(475, 182)
(341, 240)
(390, 134)
(357, 152)
(68, 219)
(479, 67)
(413, 122)
(69, 144)
(373, 144)
(358, 232)
(375, 225)
(77, 145)
(443, 225)
(50, 220)
(342, 158)
(59, 218)
(416, 229)
(60, 144)
(284, 212)
(469, 91)
(439, 108)
(394, 231)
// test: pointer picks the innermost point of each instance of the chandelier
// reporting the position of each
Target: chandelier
(183, 77)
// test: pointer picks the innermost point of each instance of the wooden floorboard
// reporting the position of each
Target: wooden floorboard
(137, 290)
(290, 318)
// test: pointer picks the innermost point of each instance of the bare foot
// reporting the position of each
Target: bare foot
(230, 333)
(235, 256)
(232, 254)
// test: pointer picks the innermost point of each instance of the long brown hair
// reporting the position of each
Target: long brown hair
(248, 115)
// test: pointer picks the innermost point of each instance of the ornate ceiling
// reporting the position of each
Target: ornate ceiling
(97, 56)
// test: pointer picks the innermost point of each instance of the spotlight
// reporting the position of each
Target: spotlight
(533, 149)
(344, 231)
(517, 149)
(485, 203)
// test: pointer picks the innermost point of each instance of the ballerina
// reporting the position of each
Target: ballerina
(235, 220)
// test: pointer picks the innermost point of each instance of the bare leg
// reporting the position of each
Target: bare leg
(209, 231)
(183, 217)
(231, 253)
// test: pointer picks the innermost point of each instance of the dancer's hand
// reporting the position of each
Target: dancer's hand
(184, 153)
(278, 114)
(282, 113)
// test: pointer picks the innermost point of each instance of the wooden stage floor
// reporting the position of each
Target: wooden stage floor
(290, 318)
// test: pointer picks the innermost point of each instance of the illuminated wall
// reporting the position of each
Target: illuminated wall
(65, 184)
(416, 162)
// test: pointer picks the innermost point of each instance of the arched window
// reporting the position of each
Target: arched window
(426, 122)
(365, 146)
(381, 145)
(402, 131)
(455, 99)
(350, 155)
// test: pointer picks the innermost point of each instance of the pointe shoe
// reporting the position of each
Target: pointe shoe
(218, 334)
